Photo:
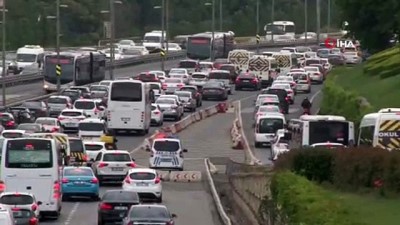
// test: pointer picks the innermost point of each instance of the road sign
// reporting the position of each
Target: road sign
(58, 70)
(258, 38)
(162, 52)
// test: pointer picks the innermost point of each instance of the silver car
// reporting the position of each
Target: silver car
(199, 79)
(170, 108)
(352, 58)
(189, 103)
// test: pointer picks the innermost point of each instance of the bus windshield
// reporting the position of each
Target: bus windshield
(198, 48)
(29, 153)
(67, 69)
(329, 131)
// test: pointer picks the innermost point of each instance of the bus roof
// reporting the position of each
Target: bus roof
(322, 117)
(73, 53)
(389, 110)
(282, 23)
(216, 34)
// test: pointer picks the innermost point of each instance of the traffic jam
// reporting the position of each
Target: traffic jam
(66, 145)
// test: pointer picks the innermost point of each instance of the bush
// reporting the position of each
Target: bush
(300, 201)
(351, 169)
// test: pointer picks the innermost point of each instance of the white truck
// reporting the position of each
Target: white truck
(29, 56)
(153, 39)
(240, 58)
(261, 66)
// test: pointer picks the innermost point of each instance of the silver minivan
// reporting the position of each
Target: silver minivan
(222, 76)
(57, 104)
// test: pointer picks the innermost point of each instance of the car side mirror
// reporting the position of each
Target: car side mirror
(148, 149)
(174, 215)
(185, 150)
(39, 203)
(133, 159)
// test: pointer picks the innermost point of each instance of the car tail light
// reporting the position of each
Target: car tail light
(64, 180)
(254, 81)
(127, 180)
(156, 113)
(34, 207)
(132, 164)
(61, 118)
(317, 74)
(33, 221)
(185, 76)
(290, 91)
(170, 223)
(94, 180)
(157, 180)
(85, 158)
(180, 86)
(164, 86)
(197, 94)
(106, 206)
(287, 98)
(101, 165)
(2, 186)
(56, 190)
(237, 80)
(55, 129)
(96, 111)
(10, 123)
(14, 209)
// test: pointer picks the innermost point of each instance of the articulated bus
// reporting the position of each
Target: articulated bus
(318, 129)
(33, 165)
(77, 68)
(280, 30)
(199, 45)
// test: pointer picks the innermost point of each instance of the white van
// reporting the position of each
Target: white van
(266, 128)
(152, 40)
(30, 55)
(91, 129)
(91, 107)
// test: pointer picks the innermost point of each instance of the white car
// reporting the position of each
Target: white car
(22, 200)
(14, 134)
(124, 44)
(49, 124)
(171, 85)
(145, 182)
(287, 79)
(112, 165)
(286, 86)
(303, 86)
(279, 145)
(352, 58)
(266, 128)
(297, 70)
(93, 148)
(69, 119)
(98, 87)
(262, 97)
(206, 66)
(156, 87)
(117, 53)
(91, 129)
(140, 49)
(167, 153)
(314, 73)
(266, 109)
(6, 216)
(170, 107)
(91, 107)
(199, 78)
(310, 54)
(105, 83)
(173, 47)
(160, 74)
(157, 115)
(326, 64)
(180, 73)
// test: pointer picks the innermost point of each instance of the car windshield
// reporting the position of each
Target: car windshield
(284, 78)
(71, 93)
(57, 100)
(155, 86)
(313, 69)
(166, 146)
(184, 94)
(98, 88)
(86, 172)
(173, 81)
(187, 64)
(125, 42)
(29, 126)
(269, 109)
(142, 176)
(32, 105)
(116, 157)
(5, 117)
(120, 196)
(199, 76)
(177, 71)
(281, 86)
(26, 57)
(98, 94)
(21, 214)
(12, 134)
(166, 101)
(93, 147)
(71, 114)
(84, 105)
(91, 126)
(17, 199)
(46, 122)
(270, 125)
(212, 85)
(149, 213)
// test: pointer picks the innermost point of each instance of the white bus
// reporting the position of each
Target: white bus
(280, 30)
(33, 165)
(316, 129)
(129, 106)
(381, 129)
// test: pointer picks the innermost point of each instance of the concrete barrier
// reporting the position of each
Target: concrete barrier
(185, 176)
(164, 175)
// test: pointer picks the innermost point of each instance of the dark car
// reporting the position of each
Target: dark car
(232, 70)
(115, 204)
(38, 108)
(195, 92)
(336, 60)
(22, 114)
(73, 94)
(247, 80)
(284, 99)
(219, 62)
(85, 90)
(214, 90)
(147, 77)
(152, 214)
(189, 64)
(7, 120)
(24, 216)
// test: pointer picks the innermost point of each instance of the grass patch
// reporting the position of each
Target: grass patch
(370, 209)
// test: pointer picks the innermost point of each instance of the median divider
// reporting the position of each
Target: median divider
(237, 140)
(185, 176)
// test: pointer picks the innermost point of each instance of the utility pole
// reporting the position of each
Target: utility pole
(163, 33)
(3, 58)
(167, 23)
(213, 30)
(258, 25)
(329, 17)
(318, 21)
(112, 39)
(272, 20)
(220, 15)
(58, 67)
(305, 19)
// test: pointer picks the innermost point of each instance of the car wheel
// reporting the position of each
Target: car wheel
(159, 199)
(96, 198)
(237, 89)
(257, 144)
(64, 198)
(229, 92)
(99, 221)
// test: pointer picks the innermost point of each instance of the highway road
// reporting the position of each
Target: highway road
(295, 111)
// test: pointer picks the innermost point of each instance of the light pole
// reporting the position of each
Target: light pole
(272, 19)
(318, 21)
(58, 34)
(328, 27)
(167, 24)
(212, 4)
(305, 19)
(258, 23)
(3, 58)
(220, 15)
(162, 41)
(112, 36)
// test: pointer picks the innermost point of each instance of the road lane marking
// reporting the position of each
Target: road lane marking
(315, 95)
(71, 214)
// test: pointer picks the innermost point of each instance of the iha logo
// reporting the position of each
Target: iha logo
(337, 43)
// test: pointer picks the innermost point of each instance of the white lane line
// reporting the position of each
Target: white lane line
(315, 95)
(71, 214)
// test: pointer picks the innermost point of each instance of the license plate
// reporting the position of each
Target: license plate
(79, 182)
(121, 208)
(245, 80)
(117, 169)
(166, 159)
(142, 184)
(70, 124)
(125, 119)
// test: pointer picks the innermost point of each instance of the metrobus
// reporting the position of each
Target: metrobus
(380, 129)
(280, 30)
(316, 129)
(33, 165)
(129, 106)
(199, 45)
(78, 68)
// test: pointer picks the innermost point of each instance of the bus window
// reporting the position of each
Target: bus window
(29, 153)
(126, 92)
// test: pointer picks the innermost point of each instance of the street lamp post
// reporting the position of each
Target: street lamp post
(167, 24)
(3, 58)
(305, 19)
(162, 41)
(258, 23)
(220, 15)
(329, 17)
(272, 19)
(318, 21)
(212, 4)
(112, 36)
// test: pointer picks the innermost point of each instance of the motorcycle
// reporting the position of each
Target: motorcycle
(306, 111)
